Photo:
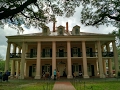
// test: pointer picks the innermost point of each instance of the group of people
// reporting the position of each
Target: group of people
(56, 74)
(4, 77)
(47, 75)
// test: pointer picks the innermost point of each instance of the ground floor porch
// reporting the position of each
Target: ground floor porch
(77, 65)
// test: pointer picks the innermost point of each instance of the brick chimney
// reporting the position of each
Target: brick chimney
(66, 26)
(53, 26)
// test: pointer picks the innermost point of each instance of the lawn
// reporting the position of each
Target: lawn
(27, 85)
(96, 84)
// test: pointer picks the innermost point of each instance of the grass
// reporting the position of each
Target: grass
(96, 84)
(27, 85)
(79, 84)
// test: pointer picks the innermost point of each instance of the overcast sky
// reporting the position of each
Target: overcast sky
(72, 21)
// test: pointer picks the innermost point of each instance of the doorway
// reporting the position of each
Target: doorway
(30, 71)
(92, 70)
(62, 69)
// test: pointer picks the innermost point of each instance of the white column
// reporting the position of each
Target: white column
(13, 61)
(38, 62)
(103, 61)
(7, 57)
(18, 64)
(109, 62)
(53, 57)
(85, 73)
(115, 58)
(22, 61)
(25, 68)
(18, 69)
(69, 68)
(100, 61)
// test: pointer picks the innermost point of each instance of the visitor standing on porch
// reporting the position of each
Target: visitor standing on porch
(54, 74)
(58, 75)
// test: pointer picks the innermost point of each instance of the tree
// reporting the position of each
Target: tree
(117, 34)
(39, 12)
(101, 12)
(2, 63)
(34, 12)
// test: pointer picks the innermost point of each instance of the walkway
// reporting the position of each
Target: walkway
(63, 85)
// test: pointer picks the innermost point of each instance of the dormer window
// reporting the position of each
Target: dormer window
(61, 30)
(77, 31)
(45, 30)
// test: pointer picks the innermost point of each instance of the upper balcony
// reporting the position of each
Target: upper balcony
(61, 54)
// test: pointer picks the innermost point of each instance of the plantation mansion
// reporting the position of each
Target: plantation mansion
(66, 51)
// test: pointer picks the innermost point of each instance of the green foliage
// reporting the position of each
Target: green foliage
(34, 12)
(100, 12)
(39, 12)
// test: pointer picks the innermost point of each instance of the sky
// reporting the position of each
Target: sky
(72, 21)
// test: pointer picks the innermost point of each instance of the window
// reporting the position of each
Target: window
(76, 68)
(47, 51)
(47, 68)
(77, 31)
(45, 30)
(34, 68)
(34, 52)
(75, 50)
(60, 31)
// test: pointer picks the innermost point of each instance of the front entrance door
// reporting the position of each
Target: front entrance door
(61, 53)
(61, 69)
(92, 70)
(30, 71)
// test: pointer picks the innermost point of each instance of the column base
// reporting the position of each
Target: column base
(102, 76)
(21, 77)
(12, 76)
(37, 77)
(69, 76)
(86, 76)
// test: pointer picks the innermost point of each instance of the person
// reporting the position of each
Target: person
(58, 75)
(55, 74)
(7, 74)
(80, 73)
(5, 77)
(43, 74)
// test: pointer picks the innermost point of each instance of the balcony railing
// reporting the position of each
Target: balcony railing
(15, 55)
(46, 54)
(107, 54)
(31, 55)
(91, 54)
(76, 54)
(61, 54)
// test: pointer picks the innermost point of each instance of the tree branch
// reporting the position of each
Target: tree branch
(115, 18)
(12, 12)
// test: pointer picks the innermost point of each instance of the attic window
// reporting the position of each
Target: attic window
(77, 31)
(61, 31)
(45, 30)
